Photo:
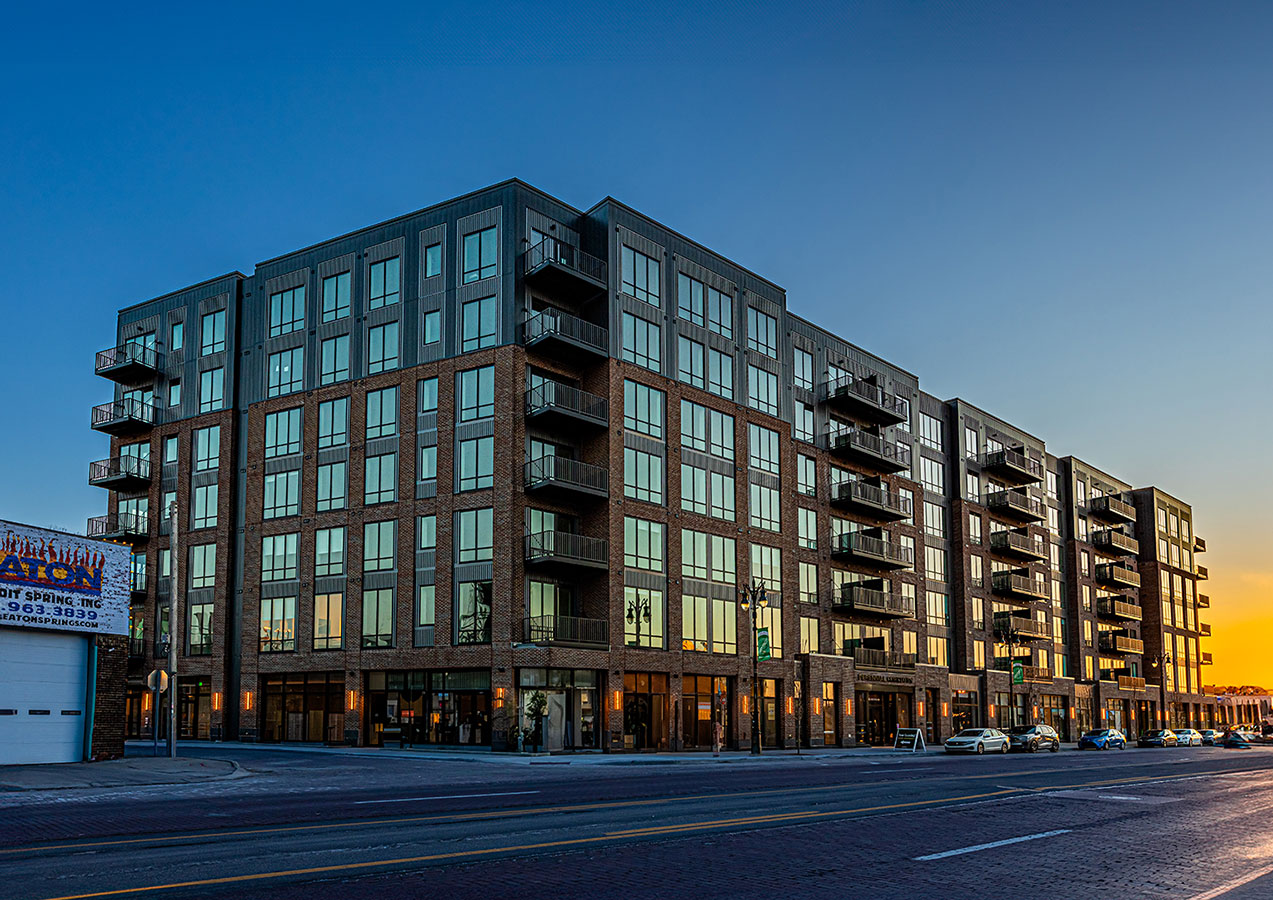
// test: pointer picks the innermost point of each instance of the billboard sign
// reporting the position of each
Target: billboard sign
(62, 582)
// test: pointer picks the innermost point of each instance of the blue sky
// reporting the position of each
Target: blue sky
(1061, 213)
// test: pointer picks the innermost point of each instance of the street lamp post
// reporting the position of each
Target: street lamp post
(1012, 636)
(754, 597)
(1161, 661)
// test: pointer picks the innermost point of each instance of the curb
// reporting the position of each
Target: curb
(237, 772)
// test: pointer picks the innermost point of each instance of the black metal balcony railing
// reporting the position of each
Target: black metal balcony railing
(1036, 673)
(855, 597)
(552, 324)
(1204, 658)
(1013, 465)
(129, 360)
(558, 471)
(572, 630)
(1108, 507)
(1114, 608)
(868, 398)
(1015, 504)
(1130, 683)
(1204, 601)
(871, 658)
(119, 525)
(1204, 629)
(866, 547)
(1113, 573)
(1202, 572)
(555, 397)
(870, 448)
(118, 470)
(551, 252)
(1014, 584)
(1019, 627)
(124, 414)
(136, 647)
(1199, 545)
(562, 546)
(1015, 544)
(1114, 540)
(1118, 643)
(879, 500)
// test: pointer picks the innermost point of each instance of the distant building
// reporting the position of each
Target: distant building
(502, 446)
(1245, 709)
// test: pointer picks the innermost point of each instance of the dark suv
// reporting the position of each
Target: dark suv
(1033, 738)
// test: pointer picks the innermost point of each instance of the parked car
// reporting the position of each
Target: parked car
(1031, 738)
(978, 740)
(1103, 739)
(1188, 737)
(1157, 737)
(1211, 737)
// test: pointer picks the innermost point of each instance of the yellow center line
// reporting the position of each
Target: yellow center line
(517, 848)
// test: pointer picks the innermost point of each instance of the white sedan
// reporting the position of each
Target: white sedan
(1188, 737)
(978, 740)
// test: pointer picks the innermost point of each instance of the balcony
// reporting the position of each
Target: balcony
(122, 417)
(865, 400)
(1204, 601)
(1204, 629)
(1114, 608)
(881, 553)
(1018, 586)
(857, 599)
(1199, 545)
(566, 335)
(132, 528)
(1016, 545)
(1130, 683)
(563, 271)
(871, 658)
(1110, 642)
(1111, 509)
(557, 474)
(1022, 628)
(567, 549)
(1111, 540)
(130, 363)
(1202, 573)
(1117, 575)
(1014, 505)
(552, 401)
(120, 473)
(1028, 673)
(136, 647)
(1012, 466)
(1204, 658)
(869, 450)
(566, 631)
(871, 499)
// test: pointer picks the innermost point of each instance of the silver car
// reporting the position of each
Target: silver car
(1188, 737)
(978, 740)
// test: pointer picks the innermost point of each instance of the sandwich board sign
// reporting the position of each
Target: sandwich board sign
(911, 739)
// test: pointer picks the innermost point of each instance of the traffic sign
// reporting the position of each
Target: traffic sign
(157, 680)
(1018, 673)
(762, 643)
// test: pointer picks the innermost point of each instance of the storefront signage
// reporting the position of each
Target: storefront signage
(62, 582)
(908, 739)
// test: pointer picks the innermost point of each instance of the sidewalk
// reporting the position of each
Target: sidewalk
(139, 771)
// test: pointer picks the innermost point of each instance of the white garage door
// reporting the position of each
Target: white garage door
(42, 696)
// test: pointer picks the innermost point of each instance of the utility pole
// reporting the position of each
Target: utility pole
(173, 600)
(753, 596)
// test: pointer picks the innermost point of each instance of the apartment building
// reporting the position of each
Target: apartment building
(426, 472)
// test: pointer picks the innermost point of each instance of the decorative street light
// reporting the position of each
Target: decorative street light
(1010, 634)
(1162, 661)
(753, 597)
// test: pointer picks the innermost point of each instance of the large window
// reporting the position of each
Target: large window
(703, 305)
(707, 430)
(278, 557)
(380, 484)
(764, 507)
(474, 536)
(803, 365)
(642, 475)
(385, 278)
(640, 276)
(203, 566)
(643, 617)
(762, 445)
(329, 621)
(643, 409)
(930, 431)
(428, 469)
(334, 360)
(481, 255)
(802, 421)
(204, 506)
(211, 390)
(382, 413)
(286, 372)
(473, 612)
(378, 546)
(806, 475)
(333, 423)
(642, 544)
(932, 475)
(762, 390)
(382, 348)
(212, 333)
(283, 432)
(477, 324)
(427, 395)
(720, 374)
(477, 464)
(641, 342)
(762, 332)
(207, 448)
(278, 624)
(807, 530)
(433, 260)
(178, 336)
(335, 297)
(287, 311)
(477, 393)
(377, 618)
(329, 552)
(282, 494)
(690, 364)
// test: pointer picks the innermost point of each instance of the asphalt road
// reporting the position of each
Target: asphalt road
(1187, 824)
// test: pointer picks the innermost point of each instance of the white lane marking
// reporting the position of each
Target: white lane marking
(448, 797)
(992, 845)
(1235, 883)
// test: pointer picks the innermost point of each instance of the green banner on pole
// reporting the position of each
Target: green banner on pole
(1018, 673)
(762, 643)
